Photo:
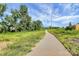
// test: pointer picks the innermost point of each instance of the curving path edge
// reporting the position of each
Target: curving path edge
(49, 46)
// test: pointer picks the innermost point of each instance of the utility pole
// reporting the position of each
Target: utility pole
(51, 19)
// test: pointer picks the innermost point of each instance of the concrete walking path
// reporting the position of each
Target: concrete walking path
(49, 46)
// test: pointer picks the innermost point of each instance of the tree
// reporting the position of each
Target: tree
(11, 23)
(70, 24)
(2, 9)
(23, 10)
(1, 28)
(15, 16)
(19, 20)
(69, 27)
(4, 26)
(37, 25)
(25, 18)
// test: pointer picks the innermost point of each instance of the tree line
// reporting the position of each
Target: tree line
(19, 20)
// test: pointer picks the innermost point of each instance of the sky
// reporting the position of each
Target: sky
(58, 14)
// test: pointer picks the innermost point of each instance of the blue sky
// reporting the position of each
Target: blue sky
(61, 14)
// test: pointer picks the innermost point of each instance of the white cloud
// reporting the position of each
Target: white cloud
(65, 18)
(47, 12)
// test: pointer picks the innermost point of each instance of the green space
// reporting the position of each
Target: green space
(18, 31)
(69, 38)
(22, 42)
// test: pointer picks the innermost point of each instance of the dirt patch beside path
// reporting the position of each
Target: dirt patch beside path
(4, 44)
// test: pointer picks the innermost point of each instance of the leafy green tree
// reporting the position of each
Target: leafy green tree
(19, 20)
(1, 27)
(4, 27)
(70, 24)
(25, 18)
(10, 22)
(23, 10)
(2, 9)
(37, 25)
(69, 27)
(15, 16)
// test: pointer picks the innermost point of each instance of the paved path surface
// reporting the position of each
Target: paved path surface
(49, 46)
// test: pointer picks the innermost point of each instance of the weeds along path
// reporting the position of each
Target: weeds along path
(49, 46)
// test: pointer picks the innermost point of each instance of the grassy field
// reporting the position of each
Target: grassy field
(69, 38)
(22, 42)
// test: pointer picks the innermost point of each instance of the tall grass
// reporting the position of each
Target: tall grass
(23, 42)
(66, 37)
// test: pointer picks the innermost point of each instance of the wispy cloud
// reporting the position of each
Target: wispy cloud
(61, 14)
(66, 18)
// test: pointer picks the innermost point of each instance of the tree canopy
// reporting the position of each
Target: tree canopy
(20, 20)
(2, 9)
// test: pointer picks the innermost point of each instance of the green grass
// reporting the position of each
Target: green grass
(66, 37)
(23, 42)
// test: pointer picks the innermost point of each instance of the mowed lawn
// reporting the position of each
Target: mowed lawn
(19, 43)
(69, 38)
